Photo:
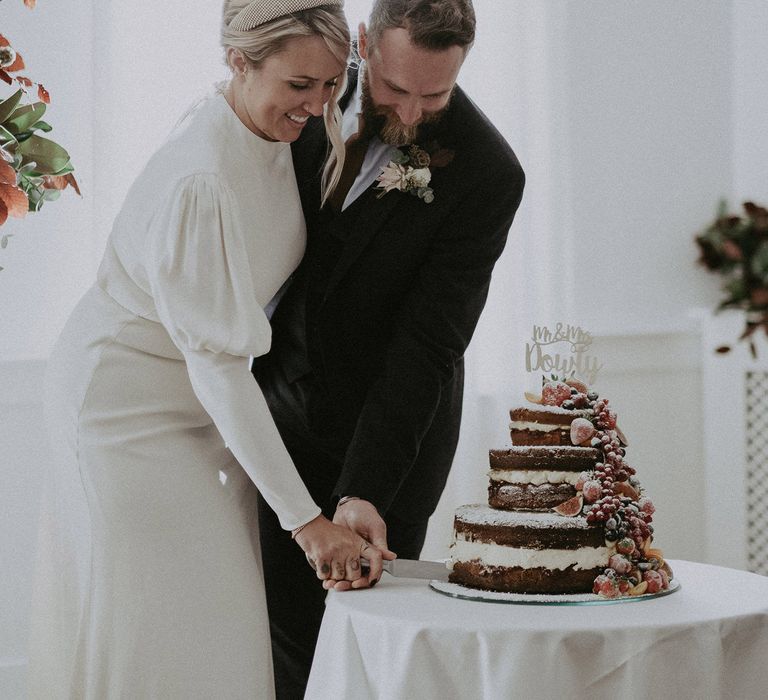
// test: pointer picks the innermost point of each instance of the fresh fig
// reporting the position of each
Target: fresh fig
(571, 507)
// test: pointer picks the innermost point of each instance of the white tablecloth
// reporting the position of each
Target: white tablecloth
(403, 641)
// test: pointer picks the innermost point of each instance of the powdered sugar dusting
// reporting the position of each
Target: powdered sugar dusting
(557, 410)
(481, 514)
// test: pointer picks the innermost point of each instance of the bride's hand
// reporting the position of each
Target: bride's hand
(334, 552)
(361, 517)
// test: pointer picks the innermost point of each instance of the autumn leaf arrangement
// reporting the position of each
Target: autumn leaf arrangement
(33, 169)
(736, 247)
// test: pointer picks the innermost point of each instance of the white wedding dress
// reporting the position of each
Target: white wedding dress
(149, 581)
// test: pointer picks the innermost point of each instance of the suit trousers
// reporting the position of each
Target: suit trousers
(295, 596)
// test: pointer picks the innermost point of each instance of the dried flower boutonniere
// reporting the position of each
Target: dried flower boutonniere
(409, 171)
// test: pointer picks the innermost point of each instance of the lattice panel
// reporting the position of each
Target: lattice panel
(757, 471)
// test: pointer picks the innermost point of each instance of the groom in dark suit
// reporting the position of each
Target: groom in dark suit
(365, 375)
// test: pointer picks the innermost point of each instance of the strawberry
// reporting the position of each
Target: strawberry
(598, 584)
(646, 505)
(554, 393)
(620, 564)
(605, 586)
(654, 580)
(664, 579)
(582, 431)
(584, 477)
(592, 490)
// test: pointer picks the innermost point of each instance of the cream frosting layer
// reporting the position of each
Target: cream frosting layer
(492, 554)
(541, 427)
(535, 477)
(482, 514)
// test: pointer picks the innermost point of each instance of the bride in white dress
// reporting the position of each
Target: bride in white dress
(150, 581)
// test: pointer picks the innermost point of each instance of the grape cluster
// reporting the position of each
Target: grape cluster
(613, 468)
(621, 516)
(604, 417)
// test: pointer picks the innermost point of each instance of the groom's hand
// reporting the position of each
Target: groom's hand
(361, 517)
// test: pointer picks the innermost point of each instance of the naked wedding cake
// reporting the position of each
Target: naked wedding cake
(566, 512)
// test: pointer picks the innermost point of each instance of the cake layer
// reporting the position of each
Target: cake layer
(542, 497)
(542, 425)
(480, 523)
(525, 552)
(493, 554)
(551, 458)
(515, 580)
(538, 477)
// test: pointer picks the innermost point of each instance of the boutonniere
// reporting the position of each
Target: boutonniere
(409, 171)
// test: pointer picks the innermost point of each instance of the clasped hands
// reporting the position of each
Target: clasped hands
(348, 552)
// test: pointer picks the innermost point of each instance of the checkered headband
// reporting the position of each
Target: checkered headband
(263, 11)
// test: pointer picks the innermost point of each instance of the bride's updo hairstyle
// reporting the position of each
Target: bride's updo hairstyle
(262, 28)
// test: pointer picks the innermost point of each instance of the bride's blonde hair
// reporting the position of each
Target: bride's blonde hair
(265, 40)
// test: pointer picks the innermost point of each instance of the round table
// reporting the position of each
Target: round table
(403, 641)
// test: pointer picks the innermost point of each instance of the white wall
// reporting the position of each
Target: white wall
(648, 142)
(155, 59)
(631, 120)
(750, 148)
(21, 479)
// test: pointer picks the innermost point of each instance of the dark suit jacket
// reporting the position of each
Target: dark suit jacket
(381, 325)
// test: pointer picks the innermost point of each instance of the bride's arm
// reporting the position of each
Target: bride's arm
(225, 388)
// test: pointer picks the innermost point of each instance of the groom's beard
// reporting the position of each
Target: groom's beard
(384, 123)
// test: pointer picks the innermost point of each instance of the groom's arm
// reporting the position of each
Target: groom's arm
(433, 328)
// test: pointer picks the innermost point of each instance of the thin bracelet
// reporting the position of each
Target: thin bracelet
(297, 530)
(345, 499)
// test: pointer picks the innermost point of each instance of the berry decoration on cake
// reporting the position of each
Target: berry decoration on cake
(611, 494)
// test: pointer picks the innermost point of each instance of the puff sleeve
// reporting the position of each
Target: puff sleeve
(201, 282)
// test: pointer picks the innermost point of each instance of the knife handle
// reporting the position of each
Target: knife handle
(365, 566)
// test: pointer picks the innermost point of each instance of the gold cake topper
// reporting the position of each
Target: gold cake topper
(562, 351)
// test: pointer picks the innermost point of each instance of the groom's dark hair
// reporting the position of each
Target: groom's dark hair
(431, 24)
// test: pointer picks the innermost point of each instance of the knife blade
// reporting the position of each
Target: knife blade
(417, 568)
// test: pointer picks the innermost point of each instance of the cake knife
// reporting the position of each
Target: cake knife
(416, 568)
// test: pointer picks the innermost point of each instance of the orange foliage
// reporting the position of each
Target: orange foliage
(15, 200)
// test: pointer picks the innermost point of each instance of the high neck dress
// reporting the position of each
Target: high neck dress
(149, 581)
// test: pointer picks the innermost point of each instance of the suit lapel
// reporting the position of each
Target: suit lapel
(357, 225)
(360, 222)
